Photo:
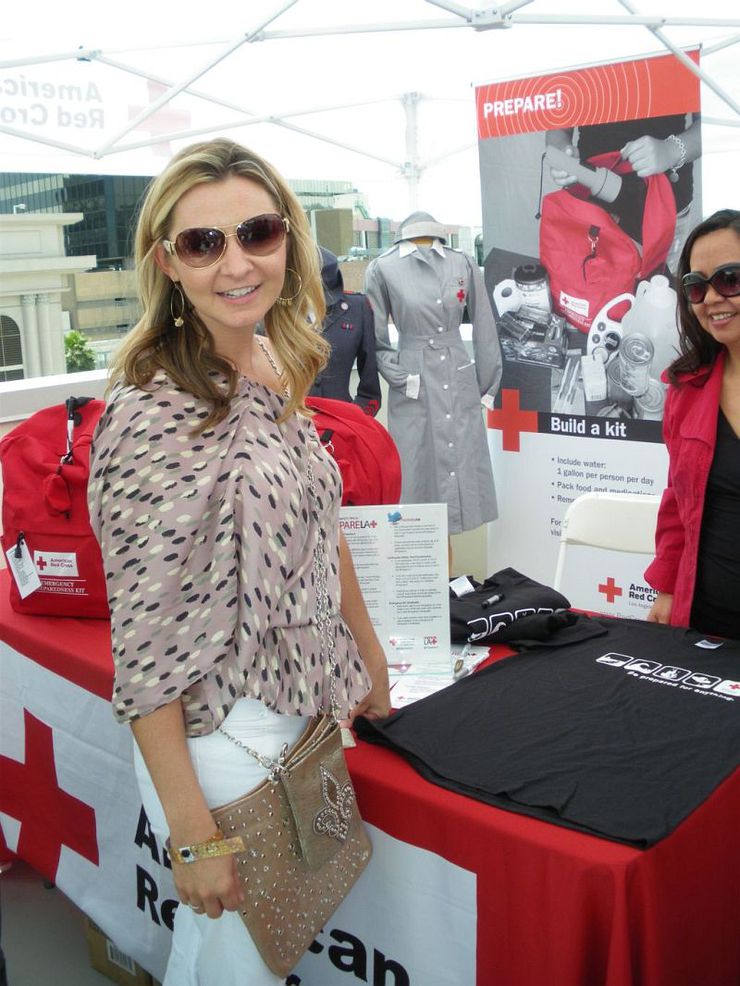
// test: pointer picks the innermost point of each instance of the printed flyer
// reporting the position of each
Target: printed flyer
(400, 556)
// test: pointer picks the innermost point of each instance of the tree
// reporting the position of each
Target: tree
(78, 353)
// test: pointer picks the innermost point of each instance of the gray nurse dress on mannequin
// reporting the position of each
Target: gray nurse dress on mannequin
(440, 433)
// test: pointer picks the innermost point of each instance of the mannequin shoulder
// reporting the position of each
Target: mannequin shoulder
(390, 252)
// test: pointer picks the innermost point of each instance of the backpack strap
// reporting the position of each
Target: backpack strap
(74, 419)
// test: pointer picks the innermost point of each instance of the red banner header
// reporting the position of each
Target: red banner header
(630, 90)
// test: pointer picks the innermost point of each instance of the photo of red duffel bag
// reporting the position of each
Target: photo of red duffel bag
(45, 465)
(589, 258)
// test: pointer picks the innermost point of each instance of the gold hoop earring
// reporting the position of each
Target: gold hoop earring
(178, 319)
(289, 301)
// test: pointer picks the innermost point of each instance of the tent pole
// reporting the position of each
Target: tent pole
(685, 60)
(411, 169)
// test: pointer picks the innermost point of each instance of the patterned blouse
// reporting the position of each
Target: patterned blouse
(208, 544)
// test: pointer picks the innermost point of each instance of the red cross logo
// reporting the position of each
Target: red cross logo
(49, 817)
(165, 121)
(373, 523)
(461, 296)
(735, 686)
(512, 420)
(610, 589)
(40, 563)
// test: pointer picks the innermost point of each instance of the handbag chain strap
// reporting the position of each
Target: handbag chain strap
(323, 609)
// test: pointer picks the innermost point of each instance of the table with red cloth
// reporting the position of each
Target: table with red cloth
(457, 892)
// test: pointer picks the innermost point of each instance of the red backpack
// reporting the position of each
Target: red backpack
(588, 257)
(46, 463)
(362, 448)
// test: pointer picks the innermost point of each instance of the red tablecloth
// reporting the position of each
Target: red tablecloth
(554, 907)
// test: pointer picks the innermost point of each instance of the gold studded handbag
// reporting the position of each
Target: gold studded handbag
(304, 841)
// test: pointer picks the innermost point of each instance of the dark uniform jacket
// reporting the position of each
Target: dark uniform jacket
(350, 329)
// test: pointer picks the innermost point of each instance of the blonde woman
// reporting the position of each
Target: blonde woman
(201, 498)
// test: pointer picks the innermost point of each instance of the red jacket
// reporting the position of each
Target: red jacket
(690, 432)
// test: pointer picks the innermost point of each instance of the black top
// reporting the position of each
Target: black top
(621, 734)
(716, 607)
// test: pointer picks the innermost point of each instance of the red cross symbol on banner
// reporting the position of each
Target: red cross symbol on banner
(165, 120)
(461, 296)
(52, 817)
(610, 589)
(512, 420)
(40, 563)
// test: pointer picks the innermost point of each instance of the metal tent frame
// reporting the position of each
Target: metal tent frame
(502, 18)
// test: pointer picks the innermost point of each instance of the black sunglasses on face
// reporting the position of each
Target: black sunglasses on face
(725, 281)
(204, 246)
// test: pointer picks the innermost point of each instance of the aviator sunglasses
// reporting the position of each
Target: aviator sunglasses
(725, 281)
(204, 246)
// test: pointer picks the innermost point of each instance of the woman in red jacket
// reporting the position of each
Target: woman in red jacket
(697, 560)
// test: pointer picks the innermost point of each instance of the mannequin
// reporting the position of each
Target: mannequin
(349, 328)
(435, 388)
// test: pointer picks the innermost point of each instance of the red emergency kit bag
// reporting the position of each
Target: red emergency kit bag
(588, 257)
(46, 464)
(362, 448)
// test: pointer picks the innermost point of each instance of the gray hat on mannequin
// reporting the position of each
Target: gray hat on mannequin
(420, 224)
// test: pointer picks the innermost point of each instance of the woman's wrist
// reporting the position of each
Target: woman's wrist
(376, 664)
(677, 152)
(190, 828)
(215, 845)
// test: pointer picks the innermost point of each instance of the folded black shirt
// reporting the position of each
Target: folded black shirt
(475, 621)
(622, 733)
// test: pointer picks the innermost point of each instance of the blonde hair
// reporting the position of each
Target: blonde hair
(187, 354)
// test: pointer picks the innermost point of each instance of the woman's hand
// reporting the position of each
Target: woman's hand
(660, 612)
(565, 178)
(651, 156)
(377, 703)
(209, 886)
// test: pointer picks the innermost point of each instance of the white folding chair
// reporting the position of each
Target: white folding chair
(617, 524)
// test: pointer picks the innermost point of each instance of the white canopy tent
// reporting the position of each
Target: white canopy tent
(383, 99)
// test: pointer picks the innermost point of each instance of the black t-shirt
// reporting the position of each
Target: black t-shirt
(716, 605)
(488, 614)
(621, 734)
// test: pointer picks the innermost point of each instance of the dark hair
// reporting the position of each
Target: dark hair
(697, 348)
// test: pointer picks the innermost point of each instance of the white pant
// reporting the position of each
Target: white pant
(207, 952)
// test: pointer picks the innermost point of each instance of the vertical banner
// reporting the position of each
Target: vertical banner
(590, 183)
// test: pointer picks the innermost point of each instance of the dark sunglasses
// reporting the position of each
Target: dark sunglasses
(204, 246)
(725, 281)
